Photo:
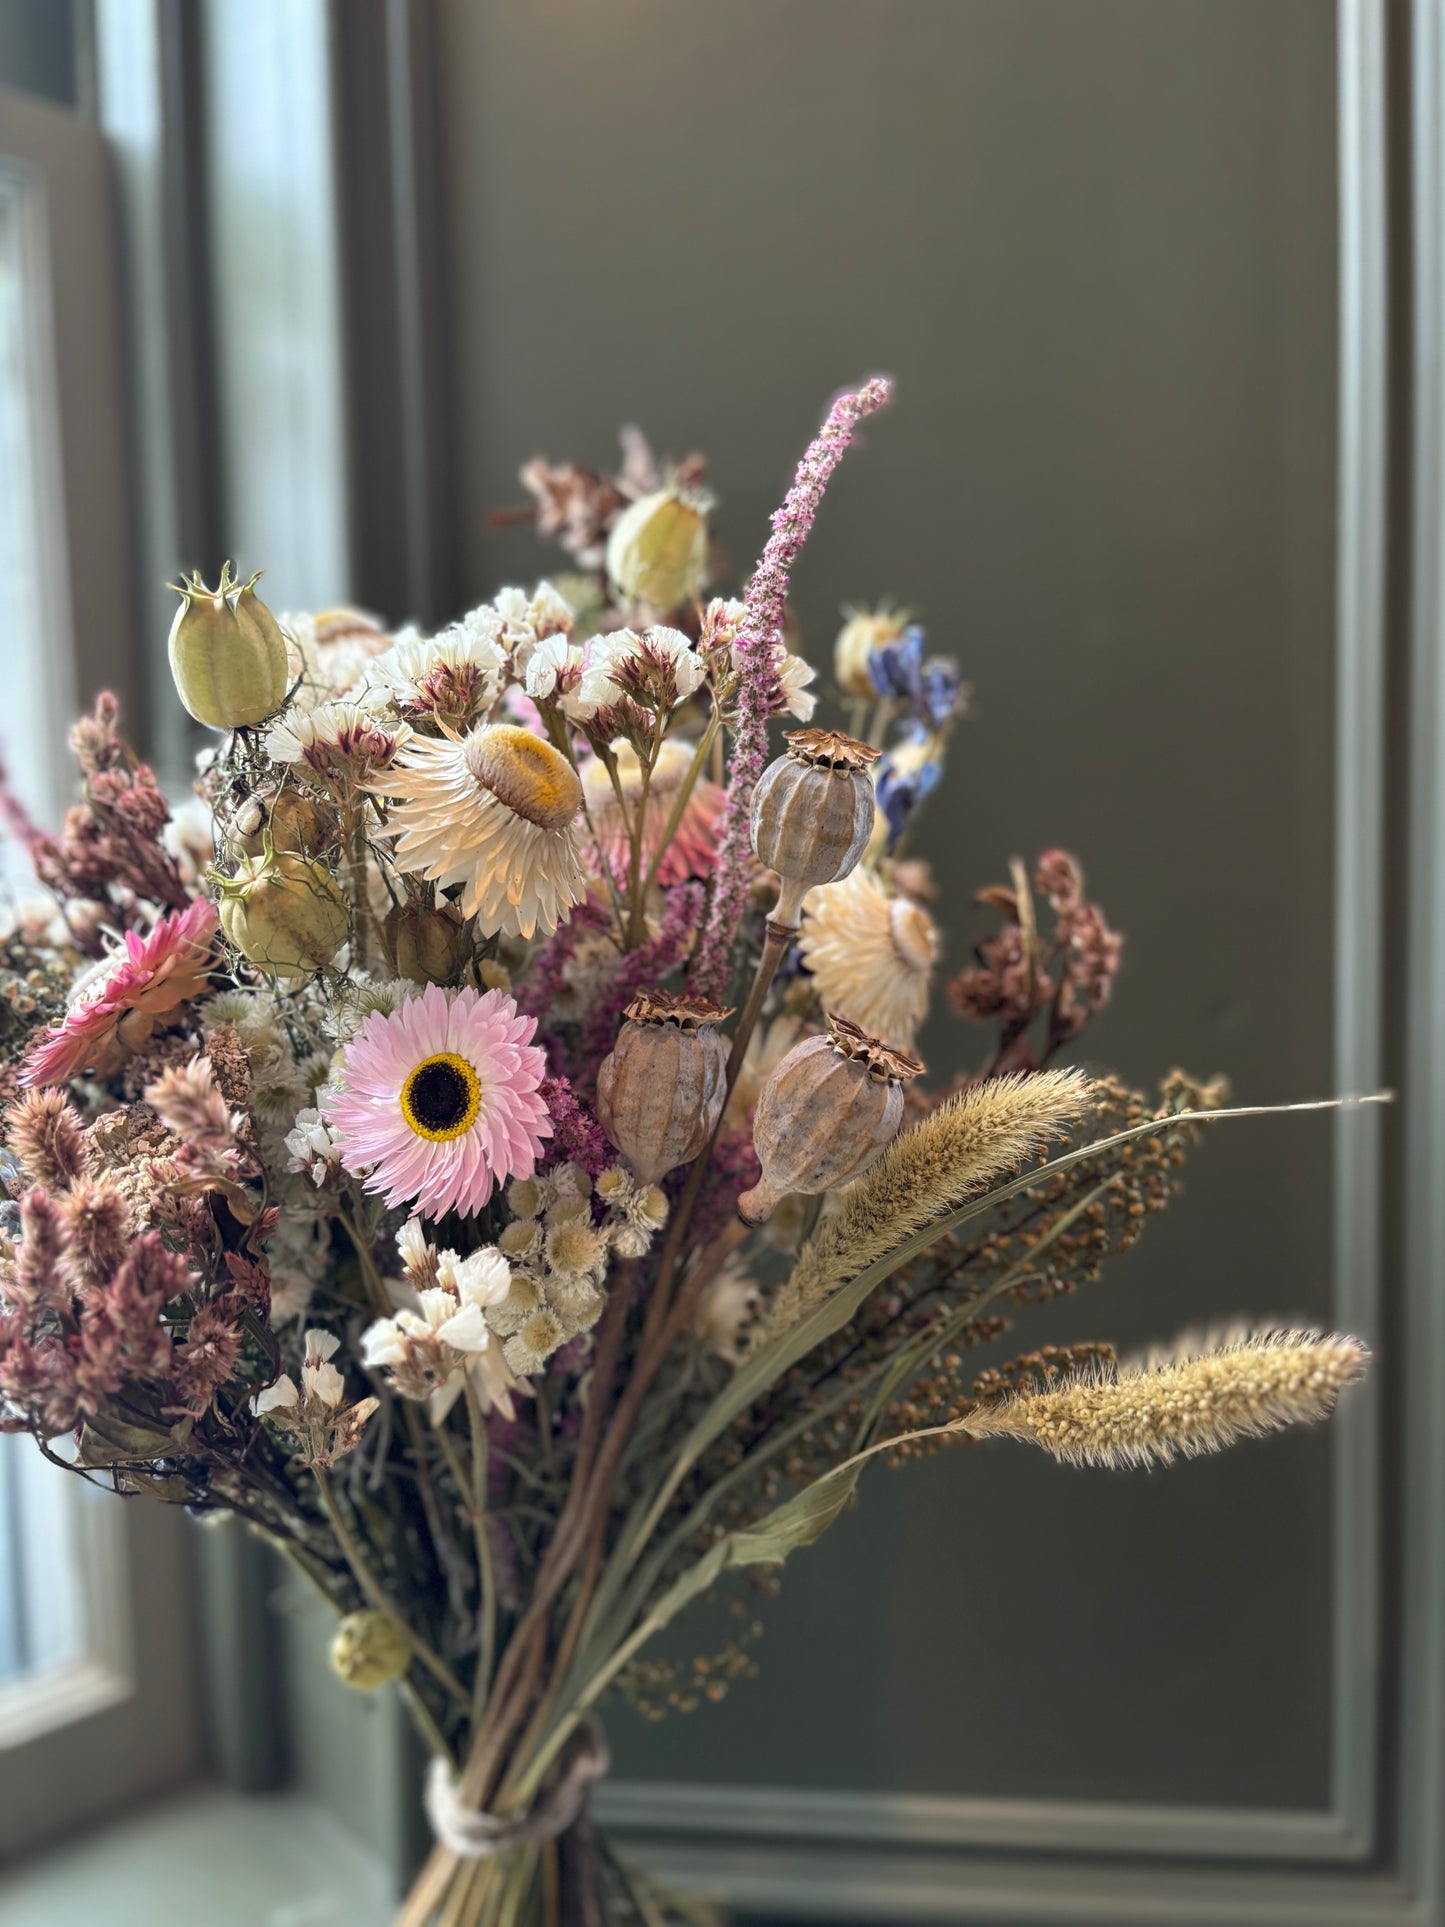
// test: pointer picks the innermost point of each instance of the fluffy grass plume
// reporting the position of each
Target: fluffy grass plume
(1181, 1404)
(970, 1141)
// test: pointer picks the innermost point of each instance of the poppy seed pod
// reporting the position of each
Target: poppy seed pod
(813, 813)
(284, 913)
(227, 652)
(828, 1110)
(369, 1650)
(661, 1087)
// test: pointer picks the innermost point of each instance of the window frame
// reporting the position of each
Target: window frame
(85, 1738)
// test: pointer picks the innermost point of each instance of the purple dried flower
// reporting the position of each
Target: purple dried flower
(753, 656)
(576, 1134)
(641, 969)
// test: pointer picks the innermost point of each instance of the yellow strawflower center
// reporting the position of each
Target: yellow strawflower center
(525, 773)
(441, 1097)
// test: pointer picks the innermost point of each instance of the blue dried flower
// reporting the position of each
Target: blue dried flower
(900, 789)
(933, 690)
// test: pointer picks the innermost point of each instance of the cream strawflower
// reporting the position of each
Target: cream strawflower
(439, 1101)
(657, 669)
(336, 738)
(870, 954)
(452, 677)
(494, 811)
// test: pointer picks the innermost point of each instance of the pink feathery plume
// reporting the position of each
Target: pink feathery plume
(761, 631)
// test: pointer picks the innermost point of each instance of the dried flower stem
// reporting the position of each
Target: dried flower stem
(683, 797)
(375, 1594)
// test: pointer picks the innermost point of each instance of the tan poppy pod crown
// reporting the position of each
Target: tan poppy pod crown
(660, 1090)
(813, 813)
(828, 1110)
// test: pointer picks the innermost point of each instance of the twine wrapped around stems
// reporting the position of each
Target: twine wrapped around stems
(472, 1835)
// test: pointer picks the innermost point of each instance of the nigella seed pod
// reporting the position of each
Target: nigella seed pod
(426, 945)
(657, 551)
(227, 652)
(828, 1110)
(283, 912)
(660, 1090)
(292, 820)
(813, 813)
(369, 1650)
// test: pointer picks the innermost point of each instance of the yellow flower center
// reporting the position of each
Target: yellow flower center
(525, 773)
(441, 1098)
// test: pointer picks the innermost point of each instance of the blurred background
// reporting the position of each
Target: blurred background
(1162, 286)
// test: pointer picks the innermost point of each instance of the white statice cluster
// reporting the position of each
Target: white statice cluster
(440, 1335)
(314, 1414)
(792, 694)
(562, 1235)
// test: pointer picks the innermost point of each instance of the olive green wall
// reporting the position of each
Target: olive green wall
(1095, 243)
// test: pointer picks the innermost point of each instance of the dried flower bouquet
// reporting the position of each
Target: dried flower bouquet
(386, 1165)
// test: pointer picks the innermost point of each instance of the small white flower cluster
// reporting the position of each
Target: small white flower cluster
(441, 1332)
(315, 1414)
(312, 1146)
(635, 1212)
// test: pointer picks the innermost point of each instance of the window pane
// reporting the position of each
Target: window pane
(41, 1606)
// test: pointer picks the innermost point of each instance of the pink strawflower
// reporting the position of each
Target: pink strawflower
(441, 1100)
(115, 1011)
(755, 660)
(694, 843)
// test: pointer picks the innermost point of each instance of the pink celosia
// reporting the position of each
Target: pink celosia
(440, 1100)
(116, 1011)
(755, 659)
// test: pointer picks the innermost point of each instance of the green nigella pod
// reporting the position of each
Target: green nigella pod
(284, 913)
(813, 813)
(227, 652)
(369, 1650)
(657, 551)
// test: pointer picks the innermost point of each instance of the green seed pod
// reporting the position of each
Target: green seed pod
(227, 652)
(284, 912)
(425, 945)
(292, 820)
(369, 1650)
(657, 551)
(813, 813)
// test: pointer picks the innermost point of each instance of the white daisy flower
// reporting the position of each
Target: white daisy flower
(554, 675)
(453, 677)
(657, 668)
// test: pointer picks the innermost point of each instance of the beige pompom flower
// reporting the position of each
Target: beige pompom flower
(871, 954)
(494, 811)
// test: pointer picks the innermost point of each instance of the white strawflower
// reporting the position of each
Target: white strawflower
(494, 811)
(871, 955)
